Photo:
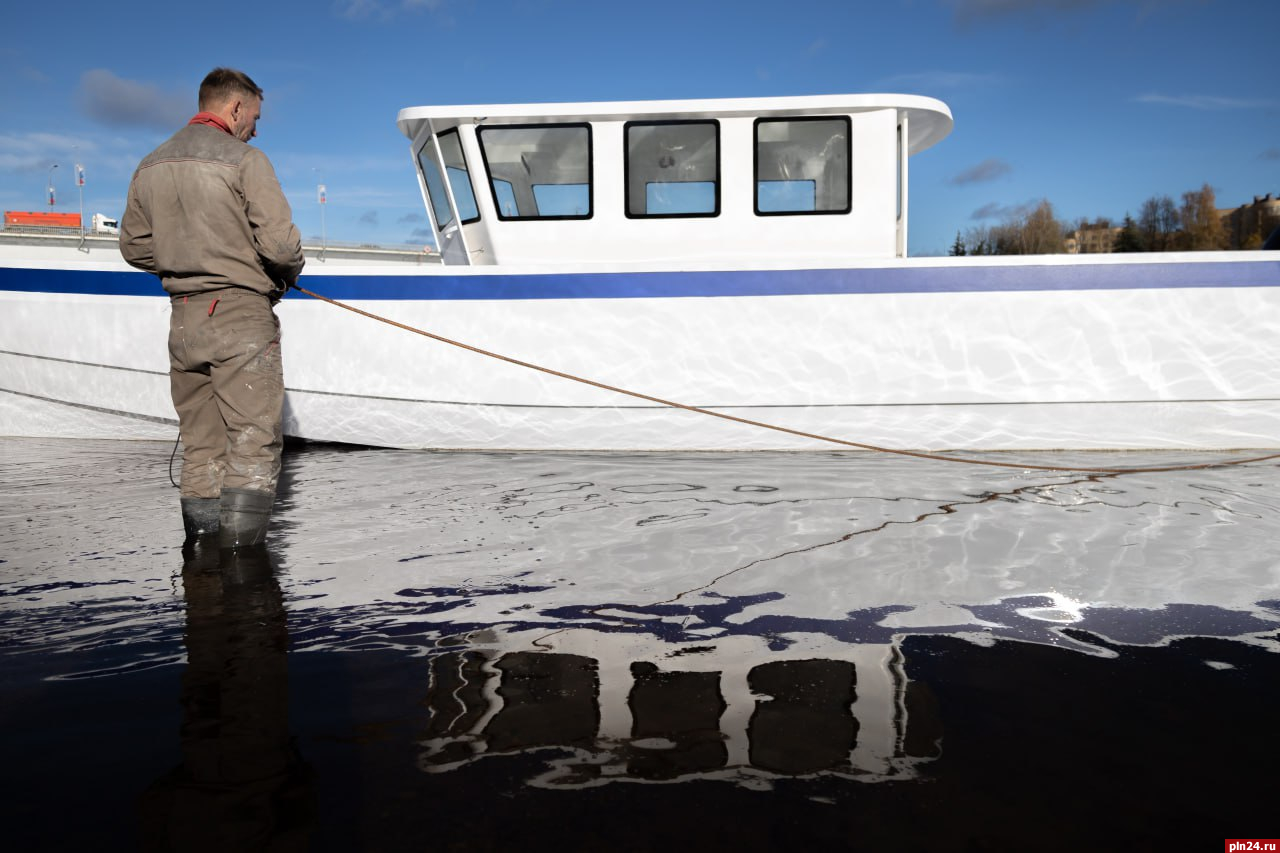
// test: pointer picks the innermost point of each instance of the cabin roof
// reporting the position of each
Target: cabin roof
(929, 120)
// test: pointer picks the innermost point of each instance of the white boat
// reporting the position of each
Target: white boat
(744, 255)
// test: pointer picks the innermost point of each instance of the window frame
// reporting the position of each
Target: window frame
(591, 169)
(626, 170)
(755, 165)
(432, 139)
(466, 170)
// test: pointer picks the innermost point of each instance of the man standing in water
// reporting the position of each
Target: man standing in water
(206, 214)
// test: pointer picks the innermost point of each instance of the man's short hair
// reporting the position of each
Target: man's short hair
(222, 84)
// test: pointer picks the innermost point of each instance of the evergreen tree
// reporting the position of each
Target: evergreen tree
(1129, 239)
(958, 247)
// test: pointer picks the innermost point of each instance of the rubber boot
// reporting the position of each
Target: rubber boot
(201, 554)
(243, 517)
(199, 516)
(248, 568)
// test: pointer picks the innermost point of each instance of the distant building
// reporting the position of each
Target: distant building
(1246, 227)
(1249, 225)
(1092, 240)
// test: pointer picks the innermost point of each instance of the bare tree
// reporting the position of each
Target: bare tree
(1023, 232)
(1158, 222)
(1040, 232)
(979, 240)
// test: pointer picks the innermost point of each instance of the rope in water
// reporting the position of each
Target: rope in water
(940, 457)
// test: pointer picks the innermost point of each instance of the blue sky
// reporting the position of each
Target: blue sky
(1095, 105)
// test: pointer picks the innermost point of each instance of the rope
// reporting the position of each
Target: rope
(173, 456)
(940, 457)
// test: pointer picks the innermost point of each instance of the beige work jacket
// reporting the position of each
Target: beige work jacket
(206, 212)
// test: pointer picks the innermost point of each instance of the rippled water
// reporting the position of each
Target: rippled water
(605, 651)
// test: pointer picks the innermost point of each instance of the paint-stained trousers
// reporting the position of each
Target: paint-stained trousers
(228, 389)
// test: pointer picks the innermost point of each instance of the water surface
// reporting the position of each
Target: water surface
(607, 651)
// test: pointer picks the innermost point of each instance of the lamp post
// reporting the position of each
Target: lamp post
(51, 193)
(80, 183)
(322, 199)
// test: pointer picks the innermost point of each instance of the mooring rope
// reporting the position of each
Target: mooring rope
(918, 454)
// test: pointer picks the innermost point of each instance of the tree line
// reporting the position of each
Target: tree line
(1161, 226)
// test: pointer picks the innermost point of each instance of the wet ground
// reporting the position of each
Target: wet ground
(827, 651)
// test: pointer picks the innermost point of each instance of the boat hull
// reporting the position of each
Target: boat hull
(974, 354)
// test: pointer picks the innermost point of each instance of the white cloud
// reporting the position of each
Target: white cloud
(35, 152)
(987, 170)
(1206, 102)
(104, 158)
(933, 81)
(34, 75)
(995, 210)
(295, 166)
(356, 8)
(382, 9)
(970, 9)
(115, 101)
(358, 196)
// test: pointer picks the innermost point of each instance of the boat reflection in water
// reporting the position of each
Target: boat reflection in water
(630, 711)
(809, 651)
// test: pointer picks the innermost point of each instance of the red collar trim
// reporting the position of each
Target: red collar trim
(213, 121)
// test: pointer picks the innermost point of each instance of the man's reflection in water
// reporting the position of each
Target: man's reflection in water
(242, 784)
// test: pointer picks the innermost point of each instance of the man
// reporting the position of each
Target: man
(206, 214)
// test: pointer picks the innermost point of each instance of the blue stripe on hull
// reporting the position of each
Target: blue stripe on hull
(640, 285)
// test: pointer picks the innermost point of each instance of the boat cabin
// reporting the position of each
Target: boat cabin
(659, 181)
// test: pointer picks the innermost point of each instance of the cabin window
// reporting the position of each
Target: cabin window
(505, 195)
(898, 194)
(802, 166)
(672, 168)
(455, 167)
(539, 171)
(433, 176)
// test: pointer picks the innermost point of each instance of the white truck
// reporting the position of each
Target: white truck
(103, 225)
